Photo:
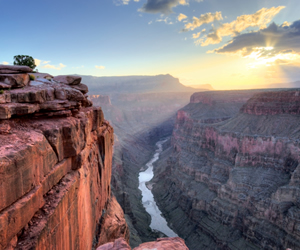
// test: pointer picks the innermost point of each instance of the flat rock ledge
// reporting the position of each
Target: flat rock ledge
(39, 94)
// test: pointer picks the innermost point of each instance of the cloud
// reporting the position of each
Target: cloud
(196, 35)
(5, 63)
(204, 18)
(279, 38)
(37, 62)
(259, 19)
(165, 20)
(181, 17)
(123, 2)
(274, 45)
(99, 67)
(162, 6)
(45, 64)
(49, 66)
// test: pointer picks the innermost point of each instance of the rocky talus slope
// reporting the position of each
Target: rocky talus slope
(55, 165)
(231, 179)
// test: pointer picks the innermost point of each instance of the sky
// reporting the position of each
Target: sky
(230, 44)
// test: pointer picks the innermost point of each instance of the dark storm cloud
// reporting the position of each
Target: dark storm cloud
(161, 6)
(283, 39)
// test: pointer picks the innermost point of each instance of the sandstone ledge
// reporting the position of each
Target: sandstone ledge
(43, 96)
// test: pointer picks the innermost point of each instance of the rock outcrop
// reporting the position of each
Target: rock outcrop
(175, 243)
(42, 96)
(232, 180)
(55, 168)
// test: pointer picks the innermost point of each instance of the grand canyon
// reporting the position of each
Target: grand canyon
(150, 125)
(226, 176)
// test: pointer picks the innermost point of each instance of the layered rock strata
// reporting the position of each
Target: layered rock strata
(233, 183)
(55, 168)
(62, 95)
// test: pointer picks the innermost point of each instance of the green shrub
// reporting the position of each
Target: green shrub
(32, 77)
(1, 91)
(24, 60)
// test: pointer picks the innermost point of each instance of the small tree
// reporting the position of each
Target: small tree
(24, 60)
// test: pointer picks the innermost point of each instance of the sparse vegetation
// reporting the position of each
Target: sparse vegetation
(24, 60)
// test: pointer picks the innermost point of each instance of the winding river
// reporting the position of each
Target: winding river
(157, 221)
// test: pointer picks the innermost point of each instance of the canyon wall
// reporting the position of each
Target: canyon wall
(230, 173)
(139, 121)
(55, 165)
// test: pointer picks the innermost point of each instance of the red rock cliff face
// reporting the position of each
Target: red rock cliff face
(55, 167)
(235, 183)
(275, 102)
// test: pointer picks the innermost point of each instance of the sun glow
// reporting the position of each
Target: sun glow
(266, 56)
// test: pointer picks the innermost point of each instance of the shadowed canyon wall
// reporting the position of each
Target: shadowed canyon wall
(230, 174)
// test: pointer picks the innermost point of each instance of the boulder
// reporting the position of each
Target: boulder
(14, 69)
(15, 80)
(81, 87)
(68, 79)
(119, 244)
(160, 244)
(164, 243)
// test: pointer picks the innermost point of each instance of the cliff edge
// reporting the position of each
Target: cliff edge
(55, 165)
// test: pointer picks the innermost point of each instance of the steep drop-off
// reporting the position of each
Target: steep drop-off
(55, 166)
(139, 121)
(230, 179)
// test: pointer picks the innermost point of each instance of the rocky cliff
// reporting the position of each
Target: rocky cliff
(55, 165)
(232, 180)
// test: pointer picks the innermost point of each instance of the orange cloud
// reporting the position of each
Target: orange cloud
(181, 17)
(259, 19)
(204, 18)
